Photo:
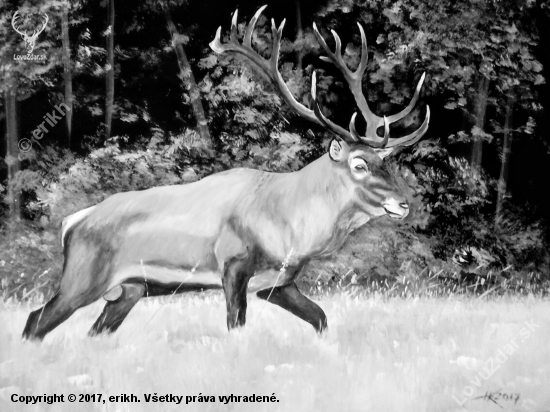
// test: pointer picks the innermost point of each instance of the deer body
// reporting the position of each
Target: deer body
(241, 230)
(184, 234)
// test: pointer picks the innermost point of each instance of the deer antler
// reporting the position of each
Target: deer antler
(29, 40)
(14, 22)
(269, 67)
(37, 32)
(352, 135)
(354, 80)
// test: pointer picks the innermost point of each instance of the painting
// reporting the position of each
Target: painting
(201, 232)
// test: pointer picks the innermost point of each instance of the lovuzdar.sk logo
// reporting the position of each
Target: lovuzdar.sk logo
(23, 27)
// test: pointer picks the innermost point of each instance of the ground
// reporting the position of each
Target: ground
(379, 354)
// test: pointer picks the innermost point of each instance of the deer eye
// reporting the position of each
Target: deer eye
(359, 165)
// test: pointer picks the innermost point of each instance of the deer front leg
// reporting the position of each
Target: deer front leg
(237, 272)
(290, 298)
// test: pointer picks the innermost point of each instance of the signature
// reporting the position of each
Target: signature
(499, 396)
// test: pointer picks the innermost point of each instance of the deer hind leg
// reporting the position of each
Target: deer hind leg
(290, 298)
(58, 310)
(116, 311)
(83, 282)
(237, 272)
(44, 320)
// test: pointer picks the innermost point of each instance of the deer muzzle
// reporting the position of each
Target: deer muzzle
(396, 209)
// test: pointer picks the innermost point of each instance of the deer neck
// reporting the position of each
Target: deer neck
(323, 196)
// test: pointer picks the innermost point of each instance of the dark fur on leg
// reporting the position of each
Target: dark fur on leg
(115, 312)
(290, 298)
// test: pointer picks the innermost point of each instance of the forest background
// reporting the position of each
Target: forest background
(151, 104)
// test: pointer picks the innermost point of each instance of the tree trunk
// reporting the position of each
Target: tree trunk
(110, 69)
(186, 75)
(13, 197)
(299, 34)
(481, 109)
(505, 161)
(67, 77)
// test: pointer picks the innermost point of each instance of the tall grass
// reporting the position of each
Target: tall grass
(379, 354)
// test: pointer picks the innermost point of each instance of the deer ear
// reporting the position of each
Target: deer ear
(336, 150)
(382, 153)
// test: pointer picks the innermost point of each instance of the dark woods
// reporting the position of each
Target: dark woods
(130, 96)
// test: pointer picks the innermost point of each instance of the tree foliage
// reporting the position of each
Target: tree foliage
(153, 141)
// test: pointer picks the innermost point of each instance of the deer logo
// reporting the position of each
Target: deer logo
(30, 40)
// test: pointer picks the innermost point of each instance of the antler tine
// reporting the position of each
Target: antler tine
(364, 54)
(333, 127)
(234, 32)
(277, 34)
(408, 109)
(352, 129)
(251, 25)
(413, 137)
(386, 132)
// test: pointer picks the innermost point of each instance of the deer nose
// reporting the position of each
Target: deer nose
(395, 208)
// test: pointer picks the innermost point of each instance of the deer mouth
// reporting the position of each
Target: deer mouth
(396, 210)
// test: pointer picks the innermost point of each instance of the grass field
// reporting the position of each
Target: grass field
(378, 355)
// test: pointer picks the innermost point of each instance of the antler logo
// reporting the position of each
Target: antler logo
(30, 40)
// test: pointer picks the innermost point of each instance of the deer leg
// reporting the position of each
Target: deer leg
(45, 319)
(290, 298)
(235, 282)
(56, 311)
(116, 311)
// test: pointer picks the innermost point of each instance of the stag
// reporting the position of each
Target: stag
(29, 40)
(242, 230)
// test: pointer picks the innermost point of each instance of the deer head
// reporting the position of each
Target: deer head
(360, 157)
(30, 40)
